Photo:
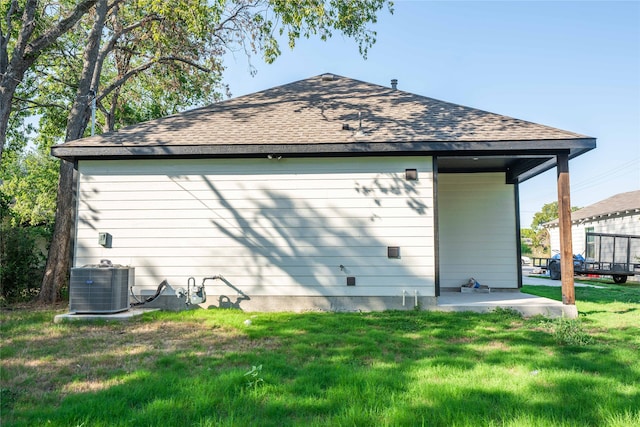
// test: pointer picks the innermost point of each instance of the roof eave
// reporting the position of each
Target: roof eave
(551, 163)
(596, 217)
(575, 147)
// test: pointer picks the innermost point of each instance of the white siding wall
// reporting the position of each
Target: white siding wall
(477, 226)
(577, 236)
(270, 227)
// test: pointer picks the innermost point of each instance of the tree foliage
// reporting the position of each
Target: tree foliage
(21, 250)
(547, 213)
(137, 60)
(29, 182)
(28, 29)
(538, 234)
(537, 241)
(155, 57)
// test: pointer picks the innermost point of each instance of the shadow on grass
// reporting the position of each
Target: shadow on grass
(391, 368)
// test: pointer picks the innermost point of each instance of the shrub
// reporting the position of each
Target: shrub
(525, 249)
(570, 332)
(22, 262)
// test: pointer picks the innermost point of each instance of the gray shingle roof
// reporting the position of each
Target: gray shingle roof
(615, 205)
(315, 111)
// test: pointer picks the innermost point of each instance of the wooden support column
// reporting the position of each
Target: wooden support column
(564, 216)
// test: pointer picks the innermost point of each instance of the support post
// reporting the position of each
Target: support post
(564, 217)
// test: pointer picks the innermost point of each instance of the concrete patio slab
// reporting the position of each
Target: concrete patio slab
(528, 305)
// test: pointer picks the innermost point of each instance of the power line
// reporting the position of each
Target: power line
(609, 174)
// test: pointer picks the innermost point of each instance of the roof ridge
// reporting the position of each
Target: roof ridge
(621, 202)
(314, 111)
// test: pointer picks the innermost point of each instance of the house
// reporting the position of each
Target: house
(619, 214)
(326, 193)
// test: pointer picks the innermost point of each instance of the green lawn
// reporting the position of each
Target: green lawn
(328, 369)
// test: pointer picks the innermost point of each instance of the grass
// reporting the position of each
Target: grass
(629, 292)
(207, 368)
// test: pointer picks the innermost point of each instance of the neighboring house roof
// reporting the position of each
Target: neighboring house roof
(330, 114)
(620, 204)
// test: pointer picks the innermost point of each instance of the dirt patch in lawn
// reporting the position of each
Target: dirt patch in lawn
(90, 357)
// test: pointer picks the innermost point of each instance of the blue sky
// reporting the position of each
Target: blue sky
(573, 65)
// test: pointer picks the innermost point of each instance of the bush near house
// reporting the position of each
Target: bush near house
(525, 249)
(27, 206)
(22, 262)
(534, 243)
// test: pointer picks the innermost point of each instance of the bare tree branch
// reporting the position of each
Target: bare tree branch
(46, 39)
(28, 26)
(167, 59)
(113, 86)
(8, 23)
(232, 18)
(135, 71)
(109, 46)
(35, 104)
(115, 3)
(4, 39)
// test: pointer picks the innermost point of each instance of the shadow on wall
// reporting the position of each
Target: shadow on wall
(313, 246)
(225, 302)
(298, 237)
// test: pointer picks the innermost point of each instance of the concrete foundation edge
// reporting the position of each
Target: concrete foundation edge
(84, 317)
(300, 303)
(566, 311)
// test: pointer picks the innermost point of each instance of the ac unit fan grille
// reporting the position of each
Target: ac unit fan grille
(99, 290)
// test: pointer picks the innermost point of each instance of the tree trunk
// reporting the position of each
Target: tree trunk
(8, 85)
(6, 95)
(59, 259)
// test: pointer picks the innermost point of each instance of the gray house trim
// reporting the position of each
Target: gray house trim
(516, 193)
(520, 159)
(515, 148)
(436, 234)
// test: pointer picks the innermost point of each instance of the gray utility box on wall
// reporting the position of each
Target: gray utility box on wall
(100, 289)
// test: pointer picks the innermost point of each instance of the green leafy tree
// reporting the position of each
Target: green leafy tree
(29, 181)
(164, 45)
(547, 213)
(27, 204)
(539, 234)
(527, 241)
(537, 241)
(28, 29)
(160, 56)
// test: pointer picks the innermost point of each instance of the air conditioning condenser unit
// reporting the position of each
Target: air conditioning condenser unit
(100, 289)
